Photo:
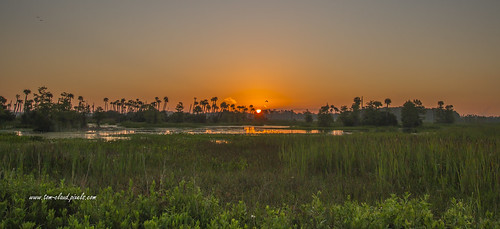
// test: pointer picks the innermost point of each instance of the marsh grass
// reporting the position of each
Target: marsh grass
(459, 162)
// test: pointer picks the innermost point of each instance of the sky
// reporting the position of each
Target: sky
(294, 54)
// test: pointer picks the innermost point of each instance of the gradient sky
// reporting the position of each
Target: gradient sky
(296, 54)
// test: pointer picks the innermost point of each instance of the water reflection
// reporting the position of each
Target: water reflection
(115, 133)
(220, 141)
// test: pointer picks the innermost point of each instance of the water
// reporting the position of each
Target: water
(111, 132)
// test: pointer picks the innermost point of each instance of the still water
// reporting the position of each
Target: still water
(112, 132)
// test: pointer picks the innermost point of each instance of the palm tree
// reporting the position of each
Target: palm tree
(197, 109)
(440, 104)
(357, 103)
(194, 103)
(26, 93)
(214, 103)
(179, 107)
(106, 104)
(224, 106)
(20, 104)
(70, 97)
(122, 103)
(17, 104)
(165, 101)
(204, 104)
(157, 103)
(387, 102)
(80, 103)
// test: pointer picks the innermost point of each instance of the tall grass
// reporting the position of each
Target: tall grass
(455, 162)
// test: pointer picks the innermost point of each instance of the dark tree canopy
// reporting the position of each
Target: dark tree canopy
(411, 113)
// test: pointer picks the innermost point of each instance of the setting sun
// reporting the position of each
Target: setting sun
(258, 111)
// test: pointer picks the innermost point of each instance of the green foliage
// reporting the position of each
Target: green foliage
(458, 162)
(373, 116)
(325, 118)
(444, 114)
(47, 115)
(152, 115)
(5, 114)
(185, 206)
(231, 181)
(411, 113)
(308, 117)
(351, 117)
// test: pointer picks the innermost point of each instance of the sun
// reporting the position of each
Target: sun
(258, 111)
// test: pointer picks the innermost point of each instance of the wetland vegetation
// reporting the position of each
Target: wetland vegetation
(444, 177)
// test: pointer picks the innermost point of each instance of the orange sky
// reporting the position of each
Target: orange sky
(295, 54)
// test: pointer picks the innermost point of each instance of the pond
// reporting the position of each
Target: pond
(112, 132)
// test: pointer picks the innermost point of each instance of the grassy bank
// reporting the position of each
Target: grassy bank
(458, 162)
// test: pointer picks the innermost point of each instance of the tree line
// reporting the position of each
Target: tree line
(374, 114)
(42, 112)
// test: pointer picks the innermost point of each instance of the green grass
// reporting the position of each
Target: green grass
(452, 162)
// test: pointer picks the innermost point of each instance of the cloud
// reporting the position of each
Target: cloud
(229, 100)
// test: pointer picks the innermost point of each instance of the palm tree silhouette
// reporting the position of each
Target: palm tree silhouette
(387, 102)
(214, 103)
(106, 104)
(165, 101)
(440, 104)
(224, 106)
(26, 93)
(194, 103)
(204, 104)
(70, 97)
(17, 103)
(157, 102)
(122, 104)
(80, 103)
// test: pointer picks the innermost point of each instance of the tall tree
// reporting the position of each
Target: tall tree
(80, 103)
(70, 97)
(106, 104)
(224, 106)
(325, 118)
(204, 104)
(26, 93)
(179, 107)
(194, 103)
(214, 103)
(158, 102)
(387, 102)
(17, 104)
(440, 104)
(411, 113)
(122, 104)
(444, 114)
(165, 101)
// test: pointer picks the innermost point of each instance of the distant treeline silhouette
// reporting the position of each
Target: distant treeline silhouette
(42, 112)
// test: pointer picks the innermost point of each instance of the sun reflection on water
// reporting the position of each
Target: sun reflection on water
(112, 134)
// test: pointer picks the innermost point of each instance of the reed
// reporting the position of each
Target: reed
(459, 162)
